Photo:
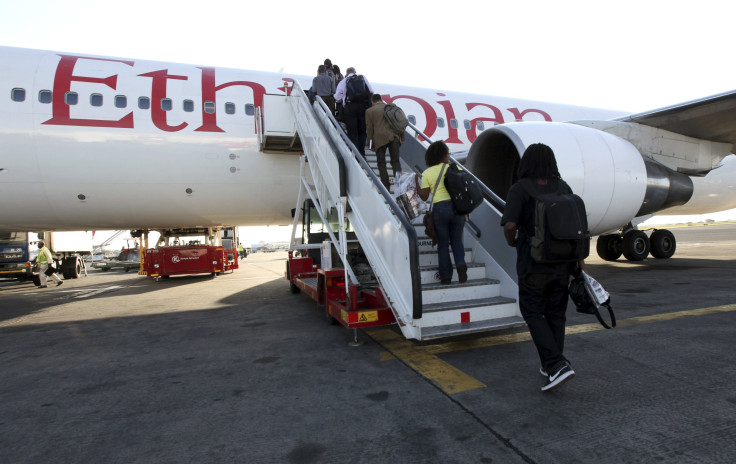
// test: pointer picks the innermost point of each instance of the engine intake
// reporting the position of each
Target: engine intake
(608, 172)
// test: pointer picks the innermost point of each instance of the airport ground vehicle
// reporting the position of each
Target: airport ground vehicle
(178, 252)
(19, 249)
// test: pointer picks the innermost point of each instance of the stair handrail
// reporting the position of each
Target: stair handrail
(489, 194)
(485, 224)
(416, 283)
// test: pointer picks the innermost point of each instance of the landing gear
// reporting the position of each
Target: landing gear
(635, 245)
(663, 243)
(609, 247)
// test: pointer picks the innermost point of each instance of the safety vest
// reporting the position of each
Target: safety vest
(43, 256)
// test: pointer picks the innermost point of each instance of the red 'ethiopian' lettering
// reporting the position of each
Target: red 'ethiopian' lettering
(209, 93)
(62, 84)
(158, 93)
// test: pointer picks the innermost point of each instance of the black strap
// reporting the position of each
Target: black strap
(439, 179)
(610, 312)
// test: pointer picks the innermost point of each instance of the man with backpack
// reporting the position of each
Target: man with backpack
(543, 276)
(383, 137)
(355, 94)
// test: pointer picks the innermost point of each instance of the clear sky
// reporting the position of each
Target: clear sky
(624, 55)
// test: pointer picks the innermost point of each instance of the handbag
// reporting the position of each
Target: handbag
(589, 296)
(428, 220)
(51, 270)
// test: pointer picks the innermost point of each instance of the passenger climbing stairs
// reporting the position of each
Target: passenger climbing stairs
(338, 179)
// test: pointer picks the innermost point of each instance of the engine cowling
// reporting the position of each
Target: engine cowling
(610, 175)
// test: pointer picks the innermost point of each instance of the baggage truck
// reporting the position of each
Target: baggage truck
(19, 249)
(177, 253)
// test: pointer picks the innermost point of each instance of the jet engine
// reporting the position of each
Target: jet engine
(615, 181)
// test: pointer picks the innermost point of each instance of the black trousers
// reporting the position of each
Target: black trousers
(330, 102)
(543, 302)
(355, 122)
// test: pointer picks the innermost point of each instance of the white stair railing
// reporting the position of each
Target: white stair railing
(387, 238)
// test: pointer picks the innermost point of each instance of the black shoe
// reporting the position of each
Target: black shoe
(59, 283)
(446, 281)
(462, 273)
(561, 375)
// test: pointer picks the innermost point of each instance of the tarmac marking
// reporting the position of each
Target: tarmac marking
(424, 361)
(448, 378)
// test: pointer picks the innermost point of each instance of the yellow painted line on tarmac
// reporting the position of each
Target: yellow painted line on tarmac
(448, 378)
(424, 361)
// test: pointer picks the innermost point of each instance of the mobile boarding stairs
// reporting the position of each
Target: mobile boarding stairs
(337, 178)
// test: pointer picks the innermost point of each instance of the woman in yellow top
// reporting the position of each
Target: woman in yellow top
(448, 224)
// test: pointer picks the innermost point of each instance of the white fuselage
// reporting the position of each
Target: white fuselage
(111, 162)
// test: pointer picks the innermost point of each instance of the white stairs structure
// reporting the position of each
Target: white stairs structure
(337, 179)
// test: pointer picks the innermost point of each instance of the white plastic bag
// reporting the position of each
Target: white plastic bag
(405, 189)
(596, 291)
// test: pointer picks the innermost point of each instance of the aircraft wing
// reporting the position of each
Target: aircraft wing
(710, 118)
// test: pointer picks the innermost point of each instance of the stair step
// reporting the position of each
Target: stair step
(431, 274)
(470, 290)
(466, 304)
(450, 330)
(457, 312)
(429, 257)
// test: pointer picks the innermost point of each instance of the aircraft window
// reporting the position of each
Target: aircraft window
(412, 119)
(45, 96)
(250, 109)
(18, 95)
(95, 99)
(209, 107)
(121, 101)
(144, 103)
(229, 108)
(71, 98)
(481, 126)
(466, 124)
(166, 104)
(440, 122)
(188, 106)
(453, 123)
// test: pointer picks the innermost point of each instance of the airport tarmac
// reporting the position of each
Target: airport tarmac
(117, 368)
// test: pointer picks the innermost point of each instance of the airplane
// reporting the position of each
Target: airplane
(93, 142)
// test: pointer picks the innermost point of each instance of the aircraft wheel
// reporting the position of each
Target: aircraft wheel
(609, 247)
(663, 244)
(635, 245)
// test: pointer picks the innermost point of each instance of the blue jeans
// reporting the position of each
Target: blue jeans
(449, 227)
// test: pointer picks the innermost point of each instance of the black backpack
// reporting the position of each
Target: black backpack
(560, 226)
(356, 89)
(463, 188)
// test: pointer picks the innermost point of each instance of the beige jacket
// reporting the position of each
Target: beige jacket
(377, 129)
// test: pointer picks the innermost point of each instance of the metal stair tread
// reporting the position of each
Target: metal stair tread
(431, 267)
(434, 251)
(466, 304)
(469, 283)
(429, 333)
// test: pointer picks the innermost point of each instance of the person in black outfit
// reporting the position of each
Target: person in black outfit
(543, 288)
